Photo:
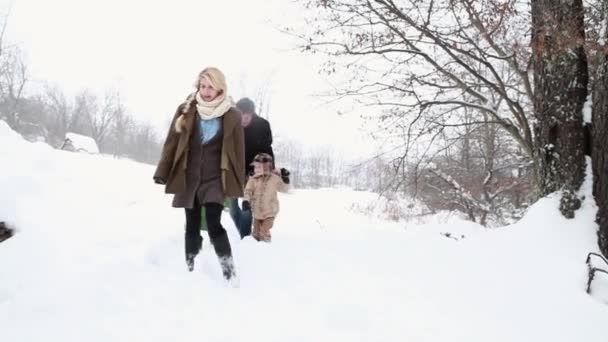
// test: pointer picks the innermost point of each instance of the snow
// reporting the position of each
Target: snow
(602, 32)
(587, 109)
(98, 256)
(82, 143)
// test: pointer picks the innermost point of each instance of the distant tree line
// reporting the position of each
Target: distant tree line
(46, 113)
(480, 102)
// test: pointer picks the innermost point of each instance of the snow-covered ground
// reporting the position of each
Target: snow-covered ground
(98, 256)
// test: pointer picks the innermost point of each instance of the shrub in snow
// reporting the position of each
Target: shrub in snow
(33, 132)
(390, 206)
(5, 231)
(597, 267)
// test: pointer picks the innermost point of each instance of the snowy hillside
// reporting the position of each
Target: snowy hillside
(98, 256)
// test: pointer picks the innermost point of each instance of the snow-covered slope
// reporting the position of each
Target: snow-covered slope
(98, 256)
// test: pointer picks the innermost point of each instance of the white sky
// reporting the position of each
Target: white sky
(152, 50)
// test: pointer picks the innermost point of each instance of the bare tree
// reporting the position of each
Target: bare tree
(424, 64)
(118, 137)
(13, 76)
(59, 113)
(425, 61)
(288, 154)
(94, 118)
(85, 107)
(479, 175)
(315, 167)
(560, 82)
(259, 91)
(103, 119)
(13, 79)
(145, 145)
(262, 96)
(600, 134)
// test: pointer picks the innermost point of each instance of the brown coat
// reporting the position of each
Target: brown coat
(261, 192)
(173, 162)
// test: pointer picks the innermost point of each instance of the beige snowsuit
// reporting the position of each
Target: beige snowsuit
(261, 192)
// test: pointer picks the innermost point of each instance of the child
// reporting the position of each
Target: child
(261, 195)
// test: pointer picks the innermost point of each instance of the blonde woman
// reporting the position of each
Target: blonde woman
(202, 163)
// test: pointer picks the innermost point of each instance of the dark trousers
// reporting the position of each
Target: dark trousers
(217, 233)
(242, 218)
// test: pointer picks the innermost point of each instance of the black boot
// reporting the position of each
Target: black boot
(228, 270)
(190, 261)
(220, 241)
(193, 238)
(192, 252)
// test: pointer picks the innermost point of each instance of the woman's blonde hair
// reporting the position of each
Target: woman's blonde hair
(215, 77)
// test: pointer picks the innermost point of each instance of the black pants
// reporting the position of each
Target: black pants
(217, 233)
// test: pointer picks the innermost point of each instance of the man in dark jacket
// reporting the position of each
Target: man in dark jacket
(258, 139)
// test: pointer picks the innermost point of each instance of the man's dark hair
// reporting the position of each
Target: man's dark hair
(245, 105)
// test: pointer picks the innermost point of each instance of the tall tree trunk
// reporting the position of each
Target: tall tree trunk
(560, 91)
(600, 139)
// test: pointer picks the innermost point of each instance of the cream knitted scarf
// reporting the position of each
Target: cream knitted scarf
(206, 110)
(213, 109)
